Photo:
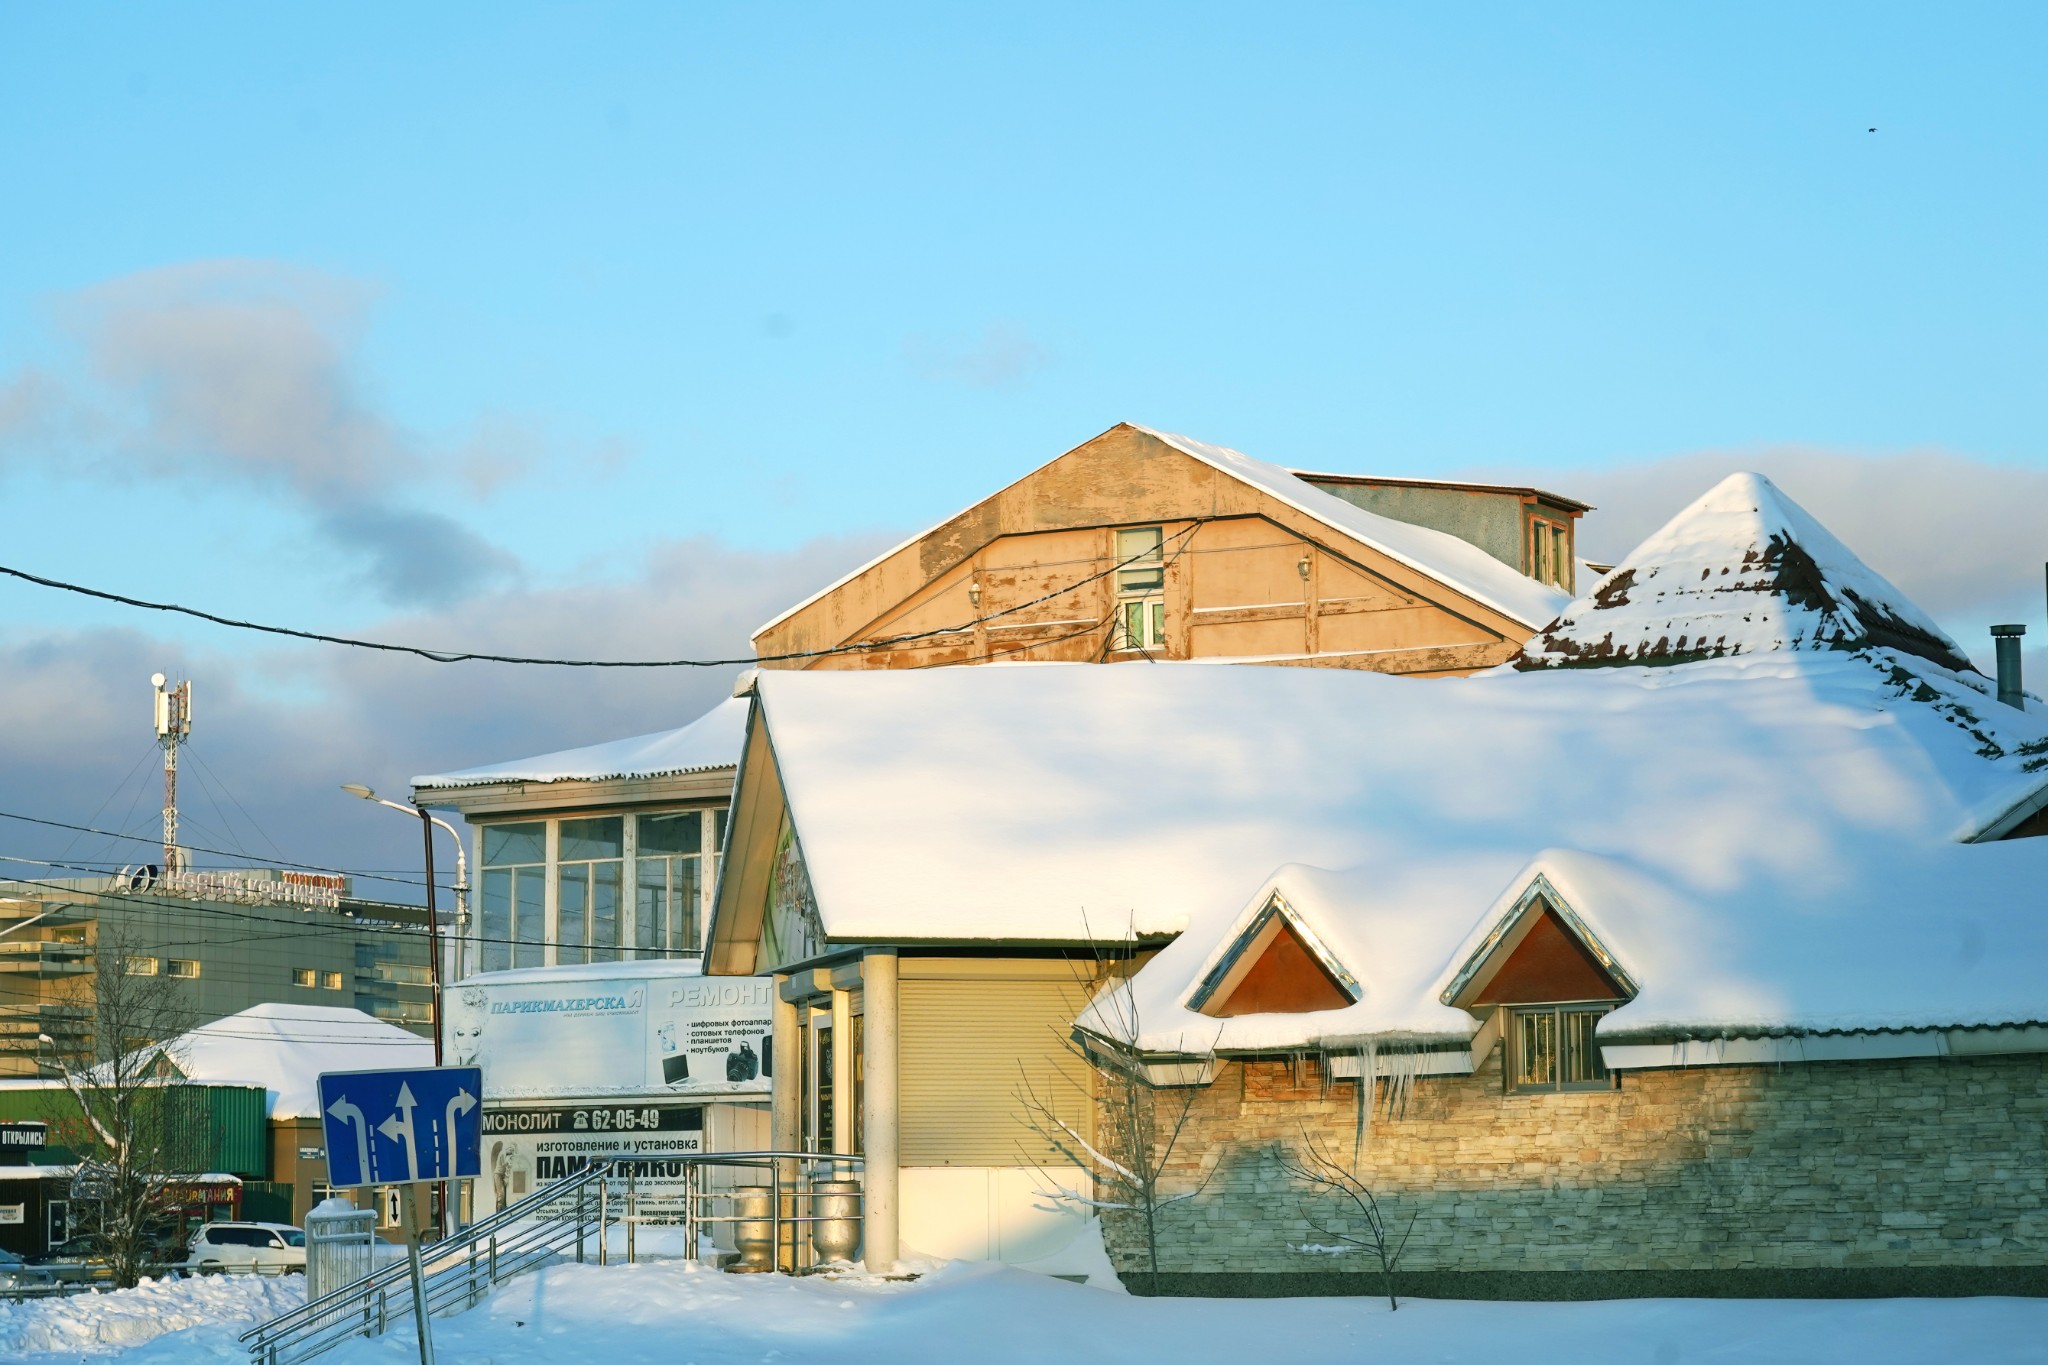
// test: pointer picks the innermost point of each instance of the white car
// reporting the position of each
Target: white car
(261, 1248)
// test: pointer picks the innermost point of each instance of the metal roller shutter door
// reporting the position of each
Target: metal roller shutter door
(969, 1050)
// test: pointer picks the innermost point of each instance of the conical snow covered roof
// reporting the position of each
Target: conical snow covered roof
(1744, 570)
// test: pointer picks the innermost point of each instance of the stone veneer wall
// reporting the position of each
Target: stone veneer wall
(1925, 1175)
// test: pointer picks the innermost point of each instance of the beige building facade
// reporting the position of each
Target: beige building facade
(1143, 545)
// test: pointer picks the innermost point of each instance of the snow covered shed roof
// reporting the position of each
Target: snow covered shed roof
(707, 743)
(285, 1047)
(1449, 560)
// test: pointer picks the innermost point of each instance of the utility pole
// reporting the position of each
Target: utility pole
(173, 727)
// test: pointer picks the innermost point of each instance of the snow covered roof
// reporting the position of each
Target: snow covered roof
(285, 1047)
(1459, 563)
(1444, 557)
(1744, 570)
(1767, 841)
(707, 743)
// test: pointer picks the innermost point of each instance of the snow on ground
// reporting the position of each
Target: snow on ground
(199, 1318)
(675, 1314)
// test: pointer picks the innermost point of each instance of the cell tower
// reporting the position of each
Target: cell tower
(173, 727)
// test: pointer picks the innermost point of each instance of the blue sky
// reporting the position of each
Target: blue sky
(443, 320)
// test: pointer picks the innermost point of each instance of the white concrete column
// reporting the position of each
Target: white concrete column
(880, 1140)
(842, 1070)
(786, 1091)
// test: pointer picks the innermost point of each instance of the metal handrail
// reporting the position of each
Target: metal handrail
(506, 1243)
(463, 1268)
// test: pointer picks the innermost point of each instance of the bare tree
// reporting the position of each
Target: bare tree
(1358, 1220)
(1138, 1124)
(115, 1072)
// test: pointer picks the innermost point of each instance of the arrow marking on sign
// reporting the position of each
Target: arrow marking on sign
(395, 1125)
(353, 1116)
(461, 1104)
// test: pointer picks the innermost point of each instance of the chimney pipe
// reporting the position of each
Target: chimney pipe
(2007, 638)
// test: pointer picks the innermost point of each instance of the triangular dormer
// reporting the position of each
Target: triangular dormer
(1541, 952)
(1276, 965)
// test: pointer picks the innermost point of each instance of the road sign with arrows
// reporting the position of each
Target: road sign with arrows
(396, 1127)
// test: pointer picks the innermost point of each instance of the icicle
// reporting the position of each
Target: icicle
(1363, 1090)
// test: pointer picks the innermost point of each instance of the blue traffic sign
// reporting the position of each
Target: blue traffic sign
(392, 1127)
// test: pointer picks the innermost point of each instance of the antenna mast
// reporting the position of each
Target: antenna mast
(173, 727)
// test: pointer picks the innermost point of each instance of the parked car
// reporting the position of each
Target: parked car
(262, 1248)
(15, 1273)
(76, 1258)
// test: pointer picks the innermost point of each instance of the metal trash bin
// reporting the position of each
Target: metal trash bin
(754, 1234)
(836, 1206)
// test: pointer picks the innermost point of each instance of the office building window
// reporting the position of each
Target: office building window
(178, 966)
(305, 976)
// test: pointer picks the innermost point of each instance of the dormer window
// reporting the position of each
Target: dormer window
(1140, 589)
(1541, 981)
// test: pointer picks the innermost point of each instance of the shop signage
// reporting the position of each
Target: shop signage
(525, 1148)
(13, 1213)
(625, 1032)
(23, 1136)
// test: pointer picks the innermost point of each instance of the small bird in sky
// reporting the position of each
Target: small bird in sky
(1870, 130)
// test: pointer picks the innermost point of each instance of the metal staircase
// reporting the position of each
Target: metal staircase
(567, 1220)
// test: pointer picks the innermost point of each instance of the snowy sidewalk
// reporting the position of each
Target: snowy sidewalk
(678, 1315)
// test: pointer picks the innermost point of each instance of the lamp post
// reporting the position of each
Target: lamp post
(427, 822)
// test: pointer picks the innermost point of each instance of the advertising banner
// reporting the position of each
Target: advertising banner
(633, 1029)
(525, 1148)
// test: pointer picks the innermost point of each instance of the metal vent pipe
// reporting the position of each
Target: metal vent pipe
(2007, 639)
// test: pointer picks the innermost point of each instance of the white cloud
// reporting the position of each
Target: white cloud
(245, 374)
(282, 727)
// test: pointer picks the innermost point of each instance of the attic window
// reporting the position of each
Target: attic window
(1276, 966)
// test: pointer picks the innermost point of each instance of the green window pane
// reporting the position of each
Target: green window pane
(523, 843)
(681, 832)
(602, 837)
(1158, 635)
(718, 818)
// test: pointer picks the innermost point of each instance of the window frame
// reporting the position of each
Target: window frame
(550, 949)
(1147, 600)
(172, 964)
(1557, 1010)
(306, 978)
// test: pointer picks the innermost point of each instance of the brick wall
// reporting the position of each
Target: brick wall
(1821, 1167)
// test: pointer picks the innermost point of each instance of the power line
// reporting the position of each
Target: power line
(451, 656)
(219, 852)
(289, 918)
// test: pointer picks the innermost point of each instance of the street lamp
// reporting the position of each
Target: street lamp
(427, 822)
